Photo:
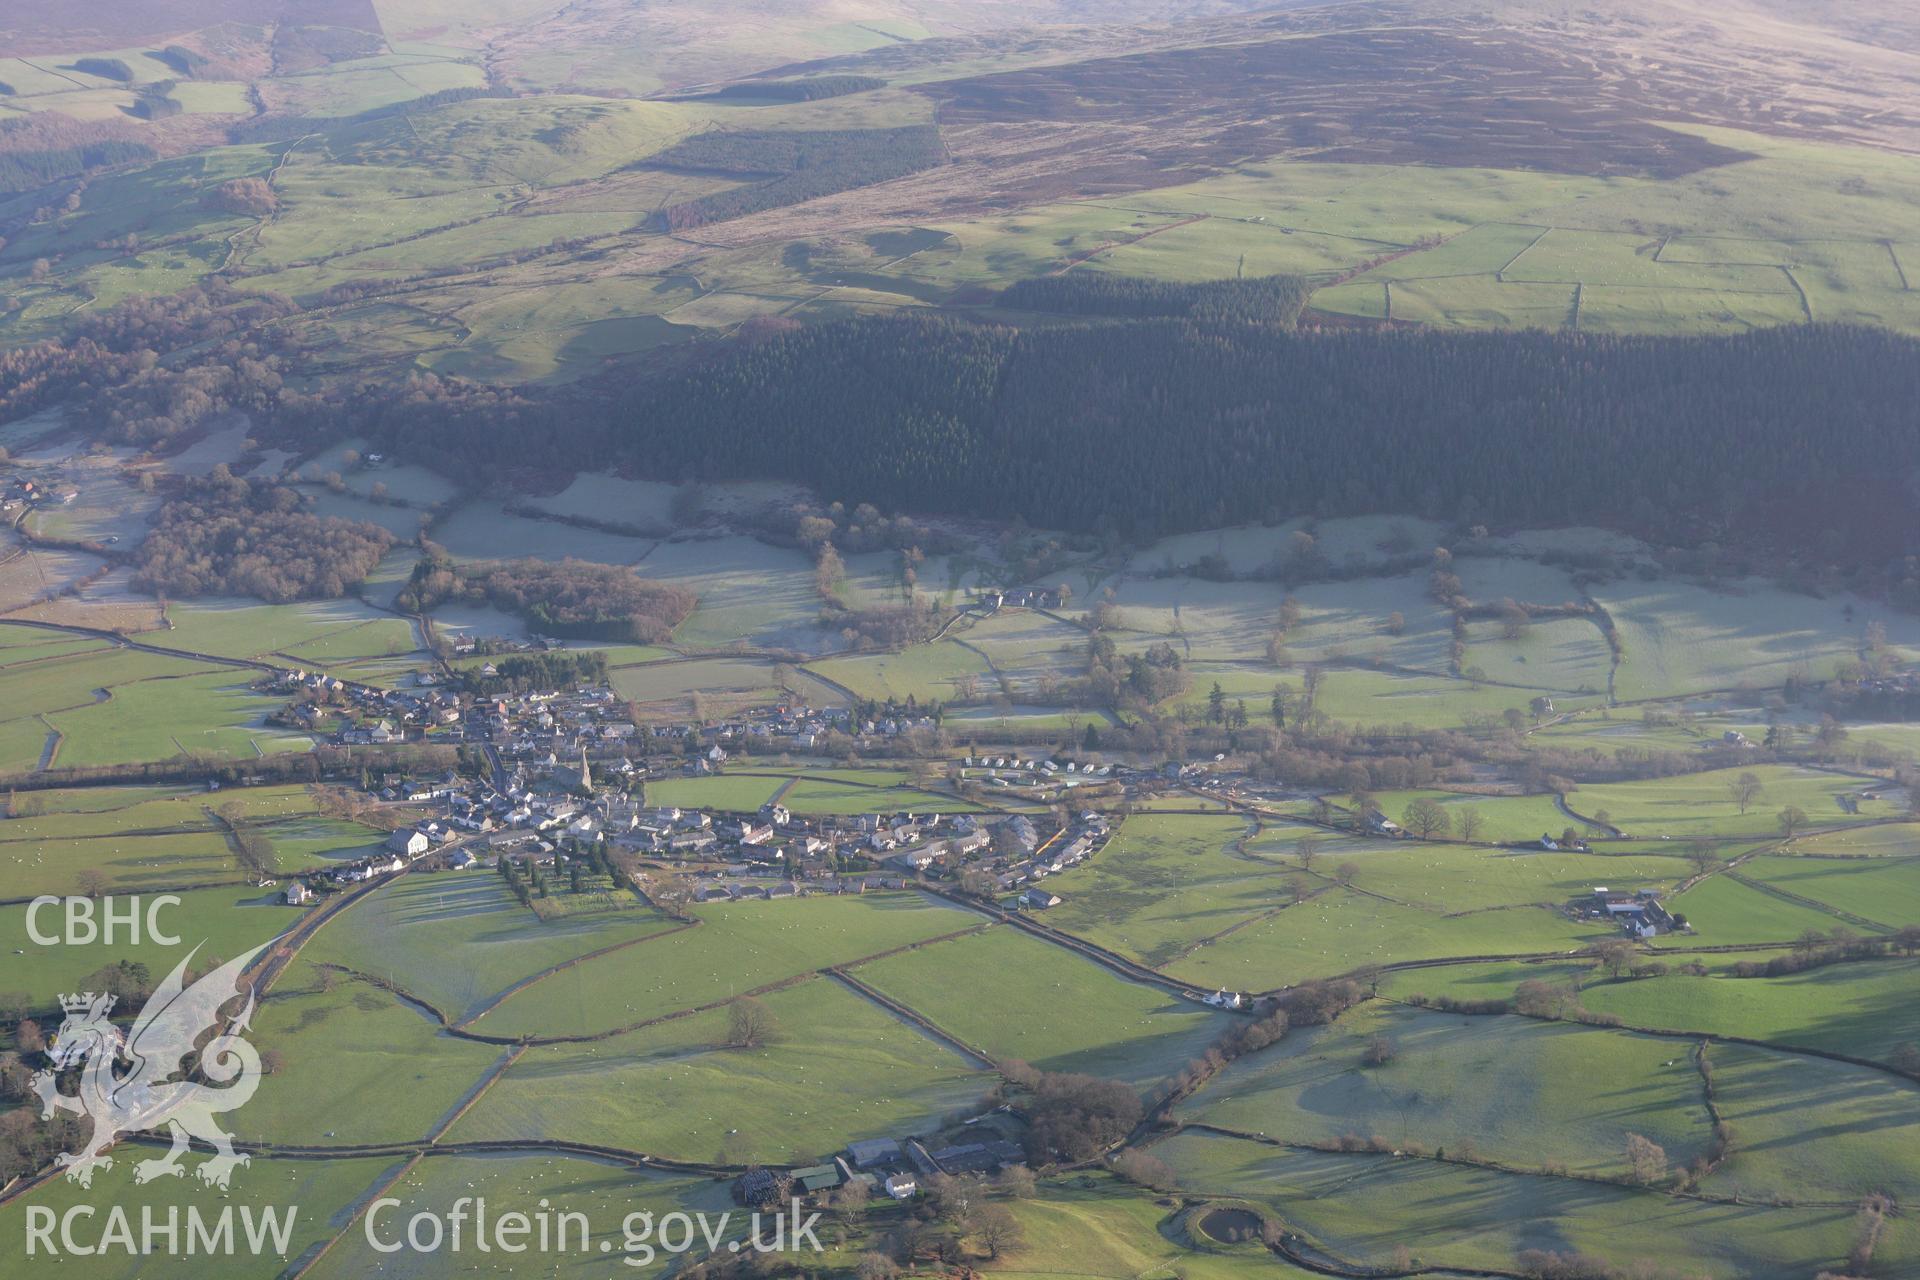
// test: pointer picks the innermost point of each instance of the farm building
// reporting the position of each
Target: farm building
(817, 1178)
(872, 1153)
(1639, 914)
(978, 1157)
(758, 1187)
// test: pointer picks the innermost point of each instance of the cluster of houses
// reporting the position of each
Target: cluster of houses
(544, 725)
(1014, 771)
(882, 850)
(887, 1166)
(775, 729)
(524, 726)
(344, 875)
(23, 494)
(467, 643)
(1035, 860)
(996, 598)
(361, 715)
(532, 725)
(1640, 915)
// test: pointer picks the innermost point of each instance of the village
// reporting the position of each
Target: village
(563, 774)
(561, 783)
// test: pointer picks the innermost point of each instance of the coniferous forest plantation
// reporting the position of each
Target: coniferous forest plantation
(1029, 639)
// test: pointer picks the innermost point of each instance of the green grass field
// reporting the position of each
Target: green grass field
(1809, 1128)
(1884, 892)
(1164, 884)
(22, 743)
(1721, 910)
(1425, 702)
(1862, 1010)
(357, 1065)
(1185, 894)
(1047, 1006)
(604, 1193)
(929, 673)
(73, 682)
(320, 1193)
(1699, 804)
(1897, 840)
(727, 793)
(1098, 1228)
(510, 199)
(1750, 239)
(1460, 879)
(40, 855)
(1342, 930)
(216, 715)
(836, 1068)
(1509, 1090)
(285, 812)
(811, 796)
(1364, 1207)
(708, 687)
(737, 948)
(221, 923)
(458, 939)
(249, 629)
(1503, 819)
(748, 591)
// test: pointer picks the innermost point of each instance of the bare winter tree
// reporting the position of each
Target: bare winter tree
(1647, 1159)
(750, 1024)
(1744, 790)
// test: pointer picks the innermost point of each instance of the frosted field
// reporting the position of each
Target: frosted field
(643, 503)
(749, 592)
(1557, 654)
(1490, 579)
(1682, 638)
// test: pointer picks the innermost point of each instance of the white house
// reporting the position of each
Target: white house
(408, 841)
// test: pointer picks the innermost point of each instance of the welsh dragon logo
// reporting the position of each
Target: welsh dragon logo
(136, 1082)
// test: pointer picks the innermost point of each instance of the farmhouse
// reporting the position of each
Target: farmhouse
(1640, 914)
